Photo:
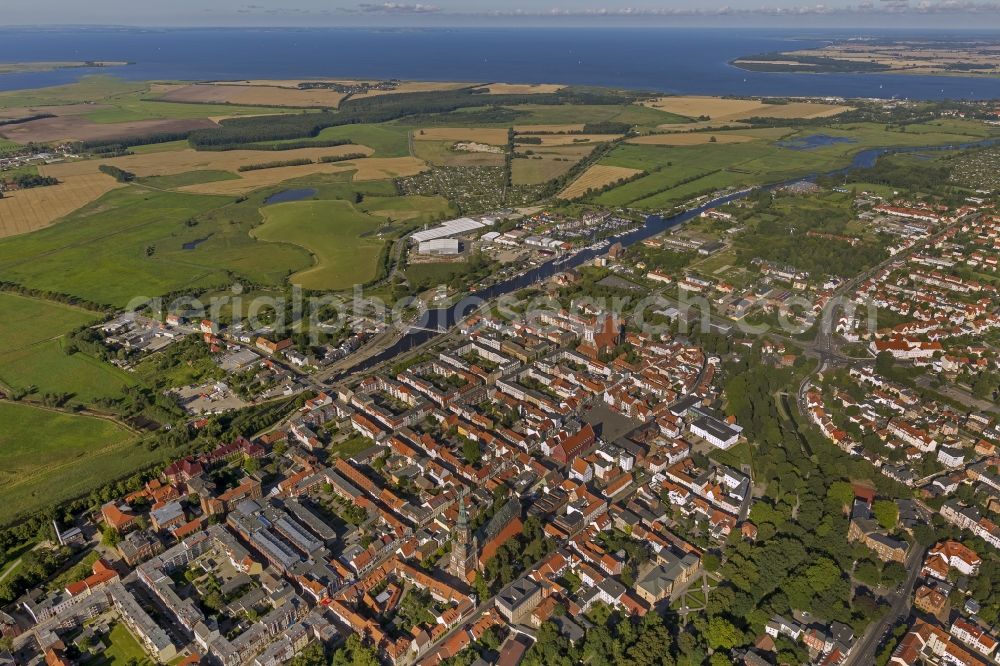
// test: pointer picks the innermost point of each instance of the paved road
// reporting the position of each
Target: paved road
(864, 651)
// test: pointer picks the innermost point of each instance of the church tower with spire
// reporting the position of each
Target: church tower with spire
(463, 546)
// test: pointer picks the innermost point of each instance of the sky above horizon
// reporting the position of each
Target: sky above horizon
(949, 14)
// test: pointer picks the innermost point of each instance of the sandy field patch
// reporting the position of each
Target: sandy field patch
(688, 139)
(75, 128)
(372, 168)
(494, 136)
(181, 161)
(568, 139)
(528, 129)
(440, 153)
(521, 88)
(246, 95)
(596, 177)
(23, 211)
(718, 109)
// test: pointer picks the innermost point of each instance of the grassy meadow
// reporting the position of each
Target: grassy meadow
(676, 173)
(131, 243)
(34, 355)
(339, 237)
(48, 456)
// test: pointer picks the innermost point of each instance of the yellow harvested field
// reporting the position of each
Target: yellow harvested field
(596, 177)
(493, 136)
(181, 161)
(569, 139)
(718, 109)
(528, 129)
(415, 86)
(802, 110)
(522, 88)
(371, 168)
(246, 95)
(689, 139)
(23, 211)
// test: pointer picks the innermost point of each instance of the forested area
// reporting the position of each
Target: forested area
(26, 181)
(777, 231)
(118, 174)
(121, 144)
(925, 177)
(238, 131)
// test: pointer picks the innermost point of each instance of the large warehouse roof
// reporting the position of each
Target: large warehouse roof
(451, 228)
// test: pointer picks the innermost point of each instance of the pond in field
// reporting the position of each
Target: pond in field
(290, 195)
(191, 245)
(814, 141)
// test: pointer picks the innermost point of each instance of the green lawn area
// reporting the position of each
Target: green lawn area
(426, 276)
(334, 232)
(177, 180)
(129, 243)
(6, 144)
(11, 556)
(351, 446)
(123, 647)
(709, 265)
(46, 456)
(735, 457)
(182, 374)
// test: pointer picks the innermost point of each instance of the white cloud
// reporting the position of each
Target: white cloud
(396, 8)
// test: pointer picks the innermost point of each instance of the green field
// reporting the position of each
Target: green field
(414, 209)
(124, 100)
(43, 453)
(87, 89)
(545, 163)
(634, 114)
(132, 107)
(177, 180)
(334, 232)
(165, 147)
(33, 355)
(129, 243)
(386, 139)
(440, 153)
(677, 173)
(428, 275)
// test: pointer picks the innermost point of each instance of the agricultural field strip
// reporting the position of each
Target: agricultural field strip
(24, 211)
(718, 109)
(596, 177)
(188, 159)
